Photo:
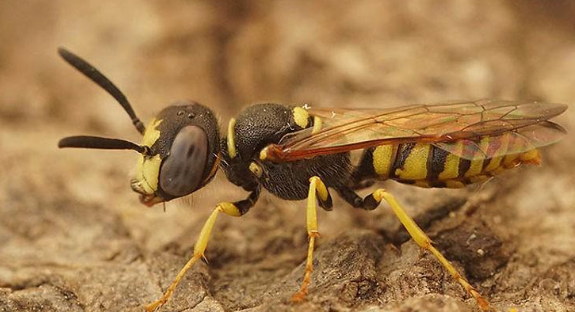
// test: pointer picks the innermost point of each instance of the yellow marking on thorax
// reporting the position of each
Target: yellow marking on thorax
(415, 166)
(496, 161)
(451, 165)
(477, 164)
(264, 153)
(300, 116)
(382, 157)
(317, 123)
(256, 169)
(232, 138)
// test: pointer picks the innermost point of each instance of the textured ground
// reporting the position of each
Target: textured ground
(74, 238)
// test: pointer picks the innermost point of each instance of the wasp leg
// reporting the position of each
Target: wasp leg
(236, 209)
(423, 240)
(316, 187)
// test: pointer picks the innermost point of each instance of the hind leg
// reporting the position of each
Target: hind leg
(374, 199)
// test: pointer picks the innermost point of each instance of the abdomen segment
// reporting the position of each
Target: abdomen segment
(427, 165)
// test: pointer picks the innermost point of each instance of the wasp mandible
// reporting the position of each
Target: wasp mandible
(299, 153)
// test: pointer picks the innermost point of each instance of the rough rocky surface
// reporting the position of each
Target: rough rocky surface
(73, 237)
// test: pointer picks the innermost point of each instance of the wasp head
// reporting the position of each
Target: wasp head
(179, 153)
(183, 156)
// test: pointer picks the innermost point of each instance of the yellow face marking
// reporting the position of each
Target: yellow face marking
(300, 116)
(451, 165)
(415, 166)
(382, 159)
(256, 169)
(147, 173)
(148, 168)
(496, 161)
(317, 123)
(232, 138)
(477, 165)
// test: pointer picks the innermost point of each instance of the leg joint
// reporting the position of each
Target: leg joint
(229, 209)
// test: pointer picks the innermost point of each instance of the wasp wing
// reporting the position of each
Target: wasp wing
(444, 125)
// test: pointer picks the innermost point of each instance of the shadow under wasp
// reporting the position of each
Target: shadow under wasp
(304, 152)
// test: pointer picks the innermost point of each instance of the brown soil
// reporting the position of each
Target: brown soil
(73, 237)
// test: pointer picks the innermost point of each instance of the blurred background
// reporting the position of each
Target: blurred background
(73, 237)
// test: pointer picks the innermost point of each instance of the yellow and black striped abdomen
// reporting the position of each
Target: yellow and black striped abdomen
(427, 165)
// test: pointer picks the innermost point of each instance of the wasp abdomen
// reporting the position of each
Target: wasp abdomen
(427, 165)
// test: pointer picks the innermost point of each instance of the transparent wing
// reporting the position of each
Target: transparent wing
(440, 124)
(512, 142)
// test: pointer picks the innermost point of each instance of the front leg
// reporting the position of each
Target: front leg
(236, 209)
(316, 187)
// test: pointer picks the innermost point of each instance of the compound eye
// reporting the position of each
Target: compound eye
(183, 169)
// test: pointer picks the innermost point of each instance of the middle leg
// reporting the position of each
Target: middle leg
(316, 188)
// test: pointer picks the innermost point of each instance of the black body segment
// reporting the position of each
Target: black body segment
(436, 163)
(263, 124)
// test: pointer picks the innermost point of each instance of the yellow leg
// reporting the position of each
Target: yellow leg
(423, 241)
(199, 248)
(316, 187)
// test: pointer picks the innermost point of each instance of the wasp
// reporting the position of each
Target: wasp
(299, 153)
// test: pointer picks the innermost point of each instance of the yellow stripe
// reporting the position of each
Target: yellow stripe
(317, 123)
(422, 183)
(478, 178)
(382, 156)
(529, 155)
(415, 166)
(232, 138)
(511, 160)
(454, 184)
(300, 116)
(477, 164)
(495, 162)
(451, 165)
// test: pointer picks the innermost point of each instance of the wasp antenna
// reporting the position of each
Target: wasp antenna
(96, 76)
(83, 141)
